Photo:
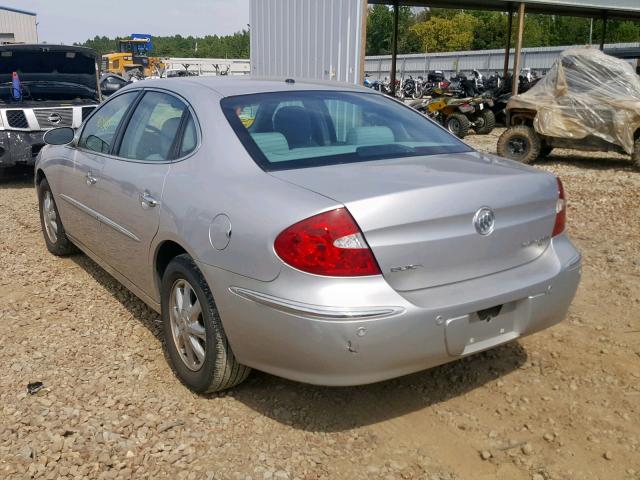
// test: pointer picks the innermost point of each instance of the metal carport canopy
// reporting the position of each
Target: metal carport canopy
(617, 9)
(606, 10)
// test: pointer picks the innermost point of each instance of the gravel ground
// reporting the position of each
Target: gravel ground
(562, 404)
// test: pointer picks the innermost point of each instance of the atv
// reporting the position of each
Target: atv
(587, 101)
(459, 115)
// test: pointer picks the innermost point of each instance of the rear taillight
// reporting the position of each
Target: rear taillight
(561, 211)
(329, 243)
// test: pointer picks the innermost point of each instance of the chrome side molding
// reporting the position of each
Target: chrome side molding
(316, 311)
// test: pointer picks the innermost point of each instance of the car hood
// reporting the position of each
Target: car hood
(59, 63)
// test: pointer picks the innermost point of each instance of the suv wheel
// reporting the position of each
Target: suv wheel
(54, 234)
(196, 344)
(458, 124)
(520, 143)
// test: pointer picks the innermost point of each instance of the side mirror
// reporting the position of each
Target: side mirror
(59, 136)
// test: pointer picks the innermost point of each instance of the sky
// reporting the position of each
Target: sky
(69, 21)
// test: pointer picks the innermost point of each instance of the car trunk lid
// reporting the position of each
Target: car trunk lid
(417, 213)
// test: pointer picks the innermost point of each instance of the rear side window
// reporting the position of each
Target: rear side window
(189, 138)
(152, 130)
(99, 132)
(315, 128)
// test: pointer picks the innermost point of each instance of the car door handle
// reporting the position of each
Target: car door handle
(147, 200)
(91, 180)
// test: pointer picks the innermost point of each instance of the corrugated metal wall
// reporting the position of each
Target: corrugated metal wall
(22, 26)
(315, 39)
(487, 61)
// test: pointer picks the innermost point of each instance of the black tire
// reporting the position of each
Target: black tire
(219, 369)
(57, 242)
(458, 124)
(635, 156)
(488, 122)
(520, 143)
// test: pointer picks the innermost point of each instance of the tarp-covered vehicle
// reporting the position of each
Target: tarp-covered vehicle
(42, 87)
(587, 101)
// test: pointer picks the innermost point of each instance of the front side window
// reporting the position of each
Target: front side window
(315, 128)
(151, 132)
(100, 131)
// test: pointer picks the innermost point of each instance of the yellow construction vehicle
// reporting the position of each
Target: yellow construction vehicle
(133, 58)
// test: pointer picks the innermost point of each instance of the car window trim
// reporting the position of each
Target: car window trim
(84, 125)
(156, 162)
(122, 127)
(178, 141)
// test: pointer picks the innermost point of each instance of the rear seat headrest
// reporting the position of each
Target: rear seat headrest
(370, 136)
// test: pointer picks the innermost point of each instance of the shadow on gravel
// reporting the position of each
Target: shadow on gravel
(136, 307)
(15, 179)
(588, 163)
(332, 409)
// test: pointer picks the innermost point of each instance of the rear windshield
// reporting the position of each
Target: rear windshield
(285, 130)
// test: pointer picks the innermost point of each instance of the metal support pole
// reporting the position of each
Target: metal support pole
(507, 50)
(604, 30)
(516, 64)
(363, 41)
(394, 47)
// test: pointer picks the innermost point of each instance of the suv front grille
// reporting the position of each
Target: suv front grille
(54, 117)
(17, 119)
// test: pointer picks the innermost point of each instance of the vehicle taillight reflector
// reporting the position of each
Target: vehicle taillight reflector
(561, 211)
(330, 244)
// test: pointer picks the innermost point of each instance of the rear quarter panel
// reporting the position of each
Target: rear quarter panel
(221, 178)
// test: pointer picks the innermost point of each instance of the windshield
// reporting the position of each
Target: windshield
(285, 130)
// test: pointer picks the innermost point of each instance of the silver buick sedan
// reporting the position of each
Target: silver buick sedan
(320, 232)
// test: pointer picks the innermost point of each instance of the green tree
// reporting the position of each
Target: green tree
(440, 34)
(210, 46)
(380, 31)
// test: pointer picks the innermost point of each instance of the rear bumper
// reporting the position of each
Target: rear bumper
(19, 148)
(357, 331)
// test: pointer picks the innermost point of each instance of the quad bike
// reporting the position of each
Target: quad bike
(587, 101)
(483, 120)
(458, 115)
(448, 112)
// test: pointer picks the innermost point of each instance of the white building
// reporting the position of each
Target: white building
(17, 26)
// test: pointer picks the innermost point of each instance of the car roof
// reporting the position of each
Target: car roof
(227, 86)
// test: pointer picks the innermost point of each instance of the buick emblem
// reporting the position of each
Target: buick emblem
(54, 118)
(484, 221)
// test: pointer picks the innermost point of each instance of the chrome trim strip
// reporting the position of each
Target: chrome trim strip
(101, 218)
(573, 262)
(316, 311)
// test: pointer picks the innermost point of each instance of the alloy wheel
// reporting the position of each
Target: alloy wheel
(187, 325)
(49, 216)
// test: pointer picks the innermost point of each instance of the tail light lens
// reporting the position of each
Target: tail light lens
(330, 243)
(561, 211)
